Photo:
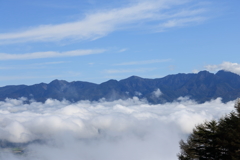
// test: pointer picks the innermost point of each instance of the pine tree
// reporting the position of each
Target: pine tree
(202, 143)
(214, 140)
(229, 134)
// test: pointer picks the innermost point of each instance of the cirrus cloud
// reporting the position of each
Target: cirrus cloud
(167, 13)
(49, 54)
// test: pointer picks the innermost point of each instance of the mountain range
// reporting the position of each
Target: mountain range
(201, 87)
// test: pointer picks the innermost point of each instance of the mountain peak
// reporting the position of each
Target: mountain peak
(133, 78)
(58, 82)
(227, 75)
(225, 72)
(204, 72)
(201, 87)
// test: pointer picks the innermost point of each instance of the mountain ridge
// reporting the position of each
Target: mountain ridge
(200, 87)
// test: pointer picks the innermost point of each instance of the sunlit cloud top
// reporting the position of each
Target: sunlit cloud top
(132, 127)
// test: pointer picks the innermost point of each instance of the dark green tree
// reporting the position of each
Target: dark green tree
(202, 143)
(229, 135)
(214, 140)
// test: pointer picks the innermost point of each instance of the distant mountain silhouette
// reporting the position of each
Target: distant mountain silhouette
(200, 87)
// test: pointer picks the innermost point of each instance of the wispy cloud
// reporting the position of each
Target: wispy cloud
(5, 68)
(122, 50)
(227, 66)
(143, 62)
(26, 77)
(113, 71)
(50, 63)
(49, 54)
(182, 22)
(168, 13)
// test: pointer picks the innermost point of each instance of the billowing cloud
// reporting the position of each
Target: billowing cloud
(49, 54)
(157, 93)
(122, 129)
(227, 66)
(167, 13)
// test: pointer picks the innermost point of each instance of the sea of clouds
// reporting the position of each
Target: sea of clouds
(129, 129)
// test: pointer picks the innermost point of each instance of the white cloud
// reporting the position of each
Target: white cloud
(138, 93)
(227, 66)
(181, 22)
(143, 62)
(100, 24)
(122, 129)
(51, 63)
(195, 71)
(49, 54)
(157, 93)
(122, 50)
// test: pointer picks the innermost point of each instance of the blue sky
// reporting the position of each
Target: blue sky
(95, 41)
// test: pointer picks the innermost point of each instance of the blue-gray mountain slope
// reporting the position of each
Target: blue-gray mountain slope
(201, 87)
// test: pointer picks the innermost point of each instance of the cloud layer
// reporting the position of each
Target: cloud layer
(122, 129)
